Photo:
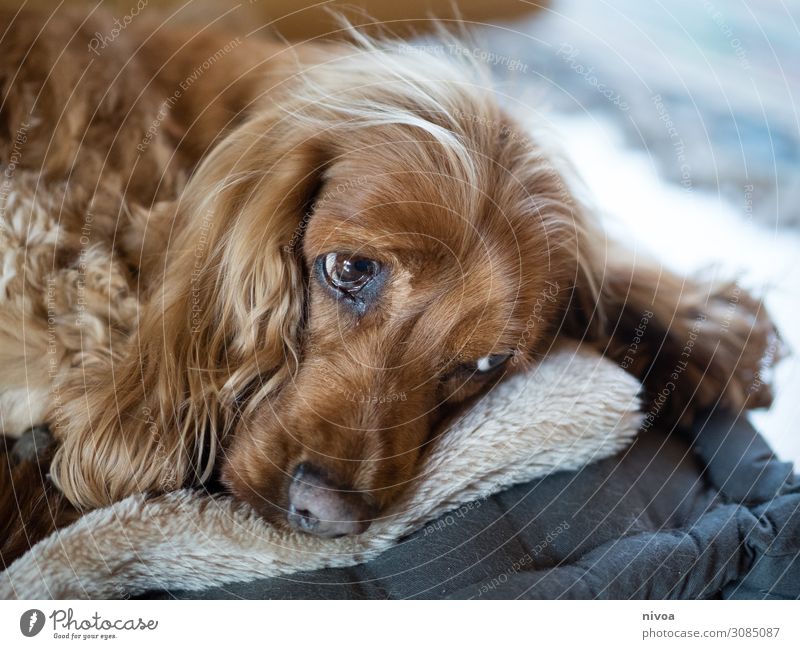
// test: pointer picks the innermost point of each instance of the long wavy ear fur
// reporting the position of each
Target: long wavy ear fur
(223, 320)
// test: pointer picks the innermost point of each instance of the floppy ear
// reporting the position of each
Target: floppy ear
(695, 344)
(221, 319)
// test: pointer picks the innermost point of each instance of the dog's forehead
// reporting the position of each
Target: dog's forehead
(411, 212)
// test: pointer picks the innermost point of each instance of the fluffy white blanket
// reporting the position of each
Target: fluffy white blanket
(573, 409)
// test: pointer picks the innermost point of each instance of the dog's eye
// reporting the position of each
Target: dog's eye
(483, 368)
(349, 274)
(491, 362)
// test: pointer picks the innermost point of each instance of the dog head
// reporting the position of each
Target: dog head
(396, 244)
(378, 243)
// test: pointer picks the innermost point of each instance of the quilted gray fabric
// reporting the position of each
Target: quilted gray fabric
(707, 513)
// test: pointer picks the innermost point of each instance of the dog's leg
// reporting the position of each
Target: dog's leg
(695, 344)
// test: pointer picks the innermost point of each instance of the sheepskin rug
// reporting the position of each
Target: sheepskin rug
(573, 409)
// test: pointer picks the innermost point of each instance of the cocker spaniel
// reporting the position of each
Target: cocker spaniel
(279, 268)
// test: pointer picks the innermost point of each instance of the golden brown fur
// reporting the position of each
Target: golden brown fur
(204, 341)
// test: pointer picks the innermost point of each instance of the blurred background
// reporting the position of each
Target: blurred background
(681, 116)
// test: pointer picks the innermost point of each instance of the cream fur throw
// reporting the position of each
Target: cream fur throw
(573, 409)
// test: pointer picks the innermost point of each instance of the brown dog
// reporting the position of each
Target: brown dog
(285, 265)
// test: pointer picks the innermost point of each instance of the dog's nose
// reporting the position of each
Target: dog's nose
(316, 506)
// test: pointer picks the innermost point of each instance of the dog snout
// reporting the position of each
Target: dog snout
(318, 506)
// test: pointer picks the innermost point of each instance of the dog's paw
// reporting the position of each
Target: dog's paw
(32, 445)
(738, 334)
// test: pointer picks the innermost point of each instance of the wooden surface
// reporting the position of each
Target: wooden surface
(300, 19)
